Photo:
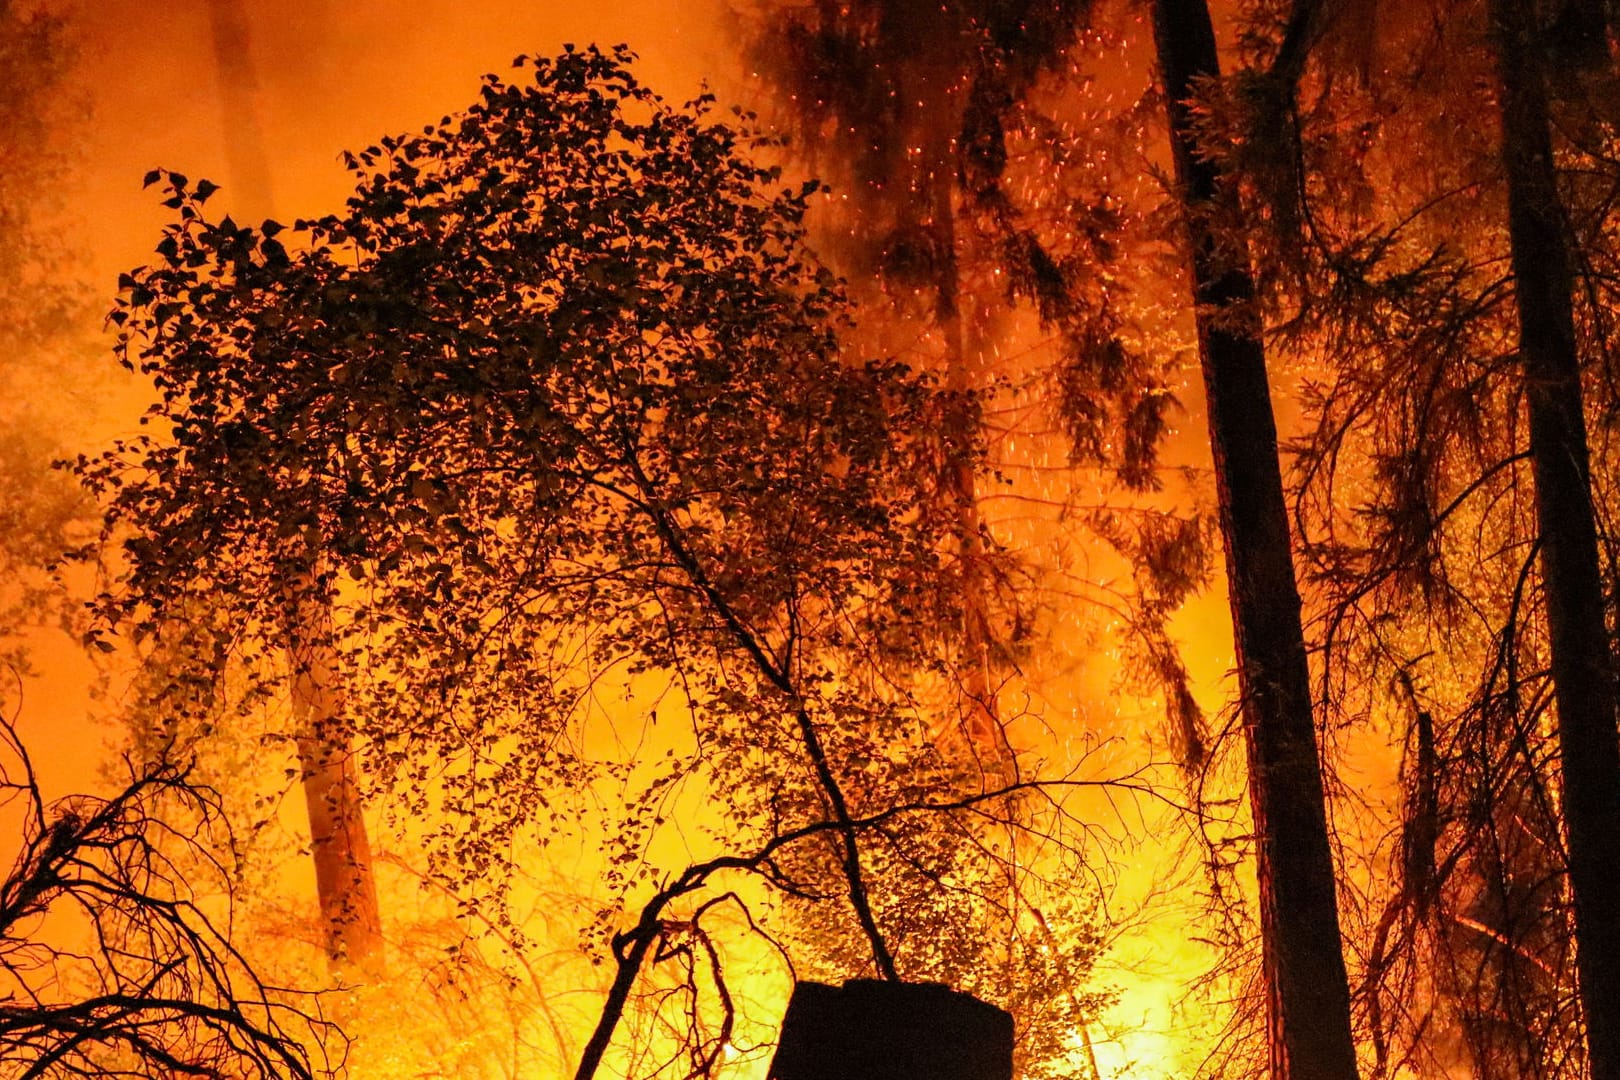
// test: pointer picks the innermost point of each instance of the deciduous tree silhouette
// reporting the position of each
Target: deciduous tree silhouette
(561, 392)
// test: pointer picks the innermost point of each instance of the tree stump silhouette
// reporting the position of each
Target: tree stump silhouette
(873, 1030)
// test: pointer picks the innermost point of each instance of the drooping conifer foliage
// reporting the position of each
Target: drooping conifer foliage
(1406, 253)
(950, 136)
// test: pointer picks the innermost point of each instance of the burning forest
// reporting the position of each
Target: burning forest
(966, 539)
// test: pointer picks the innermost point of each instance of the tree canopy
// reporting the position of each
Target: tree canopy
(561, 377)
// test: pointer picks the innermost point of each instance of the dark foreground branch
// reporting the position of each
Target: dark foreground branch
(134, 978)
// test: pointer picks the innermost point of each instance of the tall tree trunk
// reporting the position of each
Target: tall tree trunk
(239, 92)
(1583, 670)
(344, 882)
(986, 738)
(1308, 999)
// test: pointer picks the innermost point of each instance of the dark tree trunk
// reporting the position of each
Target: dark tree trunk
(1308, 998)
(239, 97)
(1582, 665)
(1580, 33)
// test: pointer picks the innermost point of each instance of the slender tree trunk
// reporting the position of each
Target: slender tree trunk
(239, 92)
(1308, 1000)
(1583, 668)
(345, 884)
(985, 735)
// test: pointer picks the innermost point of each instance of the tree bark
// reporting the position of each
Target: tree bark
(1308, 999)
(1583, 669)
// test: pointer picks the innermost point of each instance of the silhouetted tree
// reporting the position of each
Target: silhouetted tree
(917, 111)
(560, 394)
(1582, 661)
(1307, 991)
(1463, 303)
(340, 847)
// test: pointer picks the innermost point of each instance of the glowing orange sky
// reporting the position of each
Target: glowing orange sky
(332, 76)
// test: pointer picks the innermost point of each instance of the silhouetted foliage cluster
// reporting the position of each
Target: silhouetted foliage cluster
(558, 392)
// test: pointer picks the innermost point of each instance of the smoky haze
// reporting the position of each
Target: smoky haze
(323, 77)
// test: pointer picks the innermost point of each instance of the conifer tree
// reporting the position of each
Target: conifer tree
(917, 112)
(1307, 993)
(1582, 661)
